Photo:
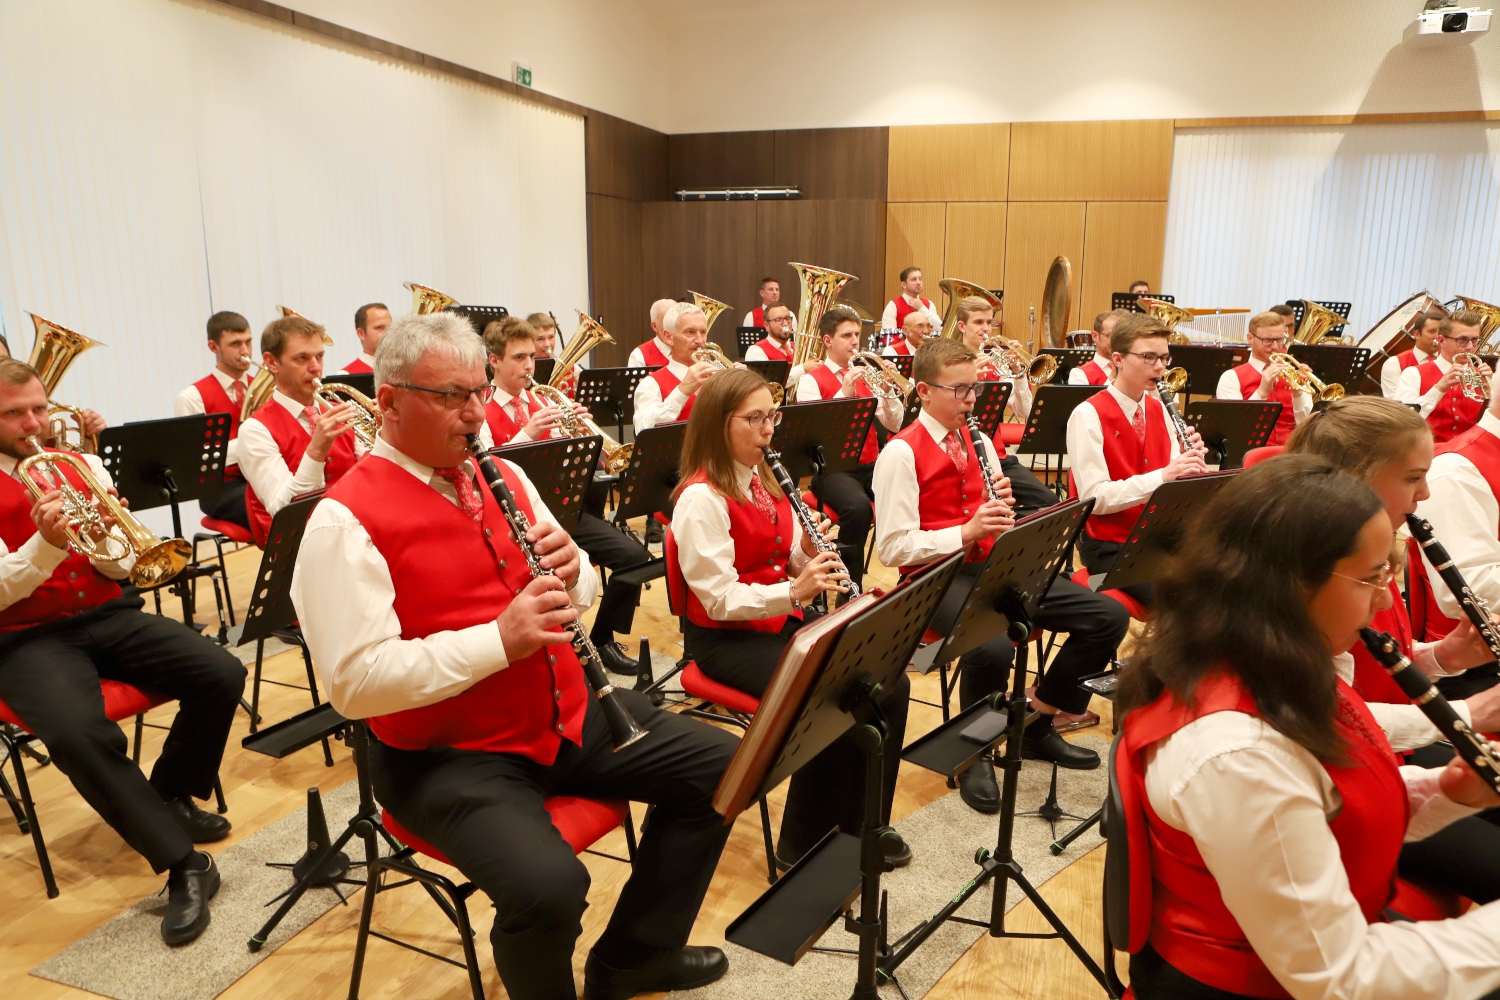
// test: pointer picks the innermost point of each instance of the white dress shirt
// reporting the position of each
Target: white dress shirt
(1229, 388)
(888, 316)
(899, 537)
(27, 568)
(650, 408)
(749, 320)
(1409, 386)
(1258, 806)
(757, 353)
(264, 468)
(638, 360)
(705, 550)
(1021, 397)
(1077, 377)
(368, 359)
(1465, 517)
(1405, 725)
(888, 411)
(1390, 373)
(345, 600)
(190, 401)
(1091, 470)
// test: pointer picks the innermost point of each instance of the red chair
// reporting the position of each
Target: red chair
(1011, 432)
(121, 701)
(1255, 455)
(1137, 610)
(582, 822)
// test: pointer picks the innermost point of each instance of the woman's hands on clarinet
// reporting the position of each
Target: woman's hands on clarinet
(1462, 785)
(1463, 648)
(823, 571)
(808, 545)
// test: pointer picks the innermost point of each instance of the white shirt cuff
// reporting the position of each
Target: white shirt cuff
(483, 649)
(45, 556)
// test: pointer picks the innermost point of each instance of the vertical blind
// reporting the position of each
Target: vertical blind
(1365, 214)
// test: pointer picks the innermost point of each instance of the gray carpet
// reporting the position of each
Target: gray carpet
(943, 837)
(126, 958)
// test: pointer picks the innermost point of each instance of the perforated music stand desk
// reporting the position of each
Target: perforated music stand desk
(817, 439)
(1332, 363)
(902, 362)
(1159, 528)
(479, 317)
(542, 373)
(1046, 432)
(561, 469)
(774, 372)
(1068, 358)
(363, 381)
(1206, 365)
(646, 484)
(989, 406)
(747, 336)
(609, 393)
(1232, 427)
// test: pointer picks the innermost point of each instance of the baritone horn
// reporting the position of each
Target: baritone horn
(364, 421)
(820, 288)
(713, 355)
(1489, 317)
(426, 300)
(589, 335)
(711, 308)
(956, 289)
(1318, 324)
(1170, 315)
(52, 354)
(616, 456)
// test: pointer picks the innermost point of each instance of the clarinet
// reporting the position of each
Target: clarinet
(1471, 746)
(1473, 605)
(1178, 423)
(622, 725)
(809, 523)
(990, 489)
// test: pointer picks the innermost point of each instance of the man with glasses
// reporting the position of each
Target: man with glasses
(776, 345)
(1260, 378)
(292, 446)
(1435, 385)
(918, 327)
(424, 620)
(931, 501)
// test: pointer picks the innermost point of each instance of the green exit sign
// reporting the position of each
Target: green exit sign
(522, 74)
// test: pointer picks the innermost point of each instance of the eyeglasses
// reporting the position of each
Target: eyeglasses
(1463, 341)
(758, 420)
(780, 320)
(1379, 581)
(453, 399)
(1151, 359)
(1273, 341)
(960, 392)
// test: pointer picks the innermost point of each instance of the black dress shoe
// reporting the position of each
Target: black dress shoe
(188, 894)
(1058, 750)
(684, 969)
(201, 827)
(615, 660)
(978, 787)
(896, 850)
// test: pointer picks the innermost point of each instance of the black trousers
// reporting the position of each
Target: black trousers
(1462, 857)
(1029, 492)
(611, 548)
(230, 504)
(829, 790)
(484, 811)
(1095, 626)
(49, 675)
(851, 497)
(1098, 556)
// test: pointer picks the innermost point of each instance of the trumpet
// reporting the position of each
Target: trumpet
(157, 560)
(883, 378)
(616, 455)
(1302, 381)
(1474, 383)
(364, 421)
(1011, 362)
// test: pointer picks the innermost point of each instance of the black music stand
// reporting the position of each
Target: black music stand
(1068, 358)
(1003, 601)
(1127, 300)
(774, 372)
(1206, 365)
(902, 363)
(1159, 528)
(1335, 363)
(561, 469)
(479, 317)
(748, 336)
(363, 381)
(609, 393)
(646, 484)
(990, 400)
(817, 439)
(542, 373)
(869, 653)
(1046, 431)
(1231, 427)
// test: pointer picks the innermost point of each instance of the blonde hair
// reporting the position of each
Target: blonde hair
(1264, 319)
(1360, 434)
(971, 304)
(705, 446)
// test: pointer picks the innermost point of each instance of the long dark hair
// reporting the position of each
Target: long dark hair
(1234, 597)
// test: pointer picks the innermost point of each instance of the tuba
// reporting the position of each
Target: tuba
(590, 334)
(1490, 316)
(288, 311)
(1056, 302)
(711, 308)
(820, 289)
(958, 288)
(52, 354)
(426, 300)
(1170, 315)
(1318, 324)
(616, 456)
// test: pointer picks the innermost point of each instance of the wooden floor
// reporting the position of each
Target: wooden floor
(100, 877)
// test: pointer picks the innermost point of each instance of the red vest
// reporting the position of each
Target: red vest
(652, 354)
(216, 400)
(829, 385)
(761, 550)
(1094, 373)
(1370, 678)
(758, 317)
(903, 348)
(1408, 359)
(1286, 421)
(358, 366)
(667, 381)
(903, 310)
(1481, 448)
(1455, 412)
(74, 586)
(948, 498)
(1126, 456)
(449, 574)
(502, 426)
(1174, 900)
(293, 440)
(773, 353)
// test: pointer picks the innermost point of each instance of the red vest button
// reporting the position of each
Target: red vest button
(559, 729)
(487, 532)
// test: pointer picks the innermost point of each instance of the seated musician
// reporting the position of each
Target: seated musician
(770, 295)
(910, 300)
(291, 445)
(930, 501)
(223, 391)
(64, 625)
(848, 494)
(1435, 385)
(1260, 378)
(455, 656)
(1122, 446)
(545, 328)
(370, 324)
(666, 395)
(1423, 349)
(749, 572)
(1100, 369)
(654, 352)
(1288, 318)
(1139, 288)
(777, 344)
(917, 327)
(1255, 780)
(1389, 447)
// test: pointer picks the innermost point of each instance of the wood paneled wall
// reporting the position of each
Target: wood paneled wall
(995, 204)
(825, 163)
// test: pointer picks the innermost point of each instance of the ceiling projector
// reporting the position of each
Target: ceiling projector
(1446, 23)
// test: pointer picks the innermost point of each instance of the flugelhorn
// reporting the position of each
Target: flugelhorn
(616, 455)
(590, 334)
(711, 308)
(1011, 362)
(1307, 382)
(883, 378)
(426, 300)
(157, 560)
(52, 354)
(957, 289)
(820, 290)
(1474, 383)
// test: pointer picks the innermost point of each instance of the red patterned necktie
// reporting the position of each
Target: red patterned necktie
(310, 414)
(522, 413)
(956, 451)
(1140, 420)
(468, 497)
(762, 498)
(239, 392)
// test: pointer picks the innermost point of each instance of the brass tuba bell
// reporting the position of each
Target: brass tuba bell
(1169, 315)
(590, 334)
(820, 289)
(1318, 323)
(1490, 317)
(52, 354)
(956, 289)
(711, 308)
(426, 300)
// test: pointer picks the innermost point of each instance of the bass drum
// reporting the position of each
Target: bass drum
(1396, 333)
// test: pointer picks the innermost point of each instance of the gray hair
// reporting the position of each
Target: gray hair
(914, 317)
(411, 338)
(675, 314)
(659, 308)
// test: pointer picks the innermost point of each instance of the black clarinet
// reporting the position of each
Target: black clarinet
(1473, 605)
(1471, 746)
(809, 522)
(976, 436)
(622, 725)
(1169, 402)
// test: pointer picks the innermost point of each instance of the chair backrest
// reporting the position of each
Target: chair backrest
(1116, 858)
(1255, 455)
(677, 590)
(271, 601)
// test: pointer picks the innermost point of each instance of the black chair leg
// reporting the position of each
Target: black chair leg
(260, 652)
(24, 787)
(219, 802)
(140, 730)
(765, 833)
(14, 801)
(629, 835)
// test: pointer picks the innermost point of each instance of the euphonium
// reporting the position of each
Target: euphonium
(958, 288)
(1011, 362)
(1474, 383)
(820, 289)
(156, 560)
(52, 354)
(1317, 322)
(711, 308)
(364, 421)
(616, 455)
(590, 334)
(1302, 381)
(1490, 316)
(1170, 315)
(884, 382)
(426, 300)
(262, 384)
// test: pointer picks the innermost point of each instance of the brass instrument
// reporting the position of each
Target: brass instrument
(590, 334)
(70, 438)
(426, 300)
(1474, 383)
(885, 382)
(289, 311)
(820, 289)
(1302, 381)
(616, 456)
(262, 384)
(1317, 323)
(1056, 300)
(156, 560)
(1170, 315)
(711, 308)
(1011, 362)
(52, 354)
(1490, 316)
(713, 355)
(364, 421)
(956, 289)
